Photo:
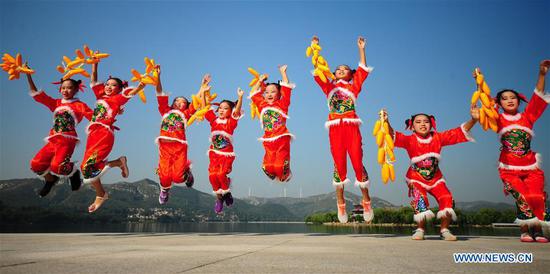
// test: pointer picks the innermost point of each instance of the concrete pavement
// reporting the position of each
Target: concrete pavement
(254, 253)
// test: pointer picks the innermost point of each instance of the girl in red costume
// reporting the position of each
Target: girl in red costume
(54, 159)
(174, 167)
(221, 152)
(344, 134)
(519, 166)
(111, 97)
(273, 101)
(424, 176)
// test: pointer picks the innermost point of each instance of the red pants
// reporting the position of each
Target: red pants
(345, 139)
(55, 157)
(419, 189)
(173, 162)
(98, 146)
(527, 187)
(220, 166)
(276, 162)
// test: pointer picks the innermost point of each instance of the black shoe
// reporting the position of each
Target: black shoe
(47, 187)
(228, 198)
(76, 181)
(190, 179)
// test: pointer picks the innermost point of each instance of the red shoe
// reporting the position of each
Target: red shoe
(539, 238)
(526, 238)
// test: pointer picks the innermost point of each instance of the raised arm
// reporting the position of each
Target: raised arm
(32, 86)
(539, 101)
(239, 105)
(40, 96)
(93, 76)
(361, 43)
(205, 86)
(543, 70)
(159, 84)
(282, 69)
(474, 113)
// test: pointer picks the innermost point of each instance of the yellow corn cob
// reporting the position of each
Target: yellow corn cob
(385, 173)
(376, 127)
(392, 172)
(389, 140)
(381, 155)
(380, 138)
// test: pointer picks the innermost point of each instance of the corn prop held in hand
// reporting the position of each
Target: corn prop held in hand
(150, 77)
(254, 113)
(197, 103)
(71, 68)
(14, 66)
(384, 140)
(321, 66)
(488, 113)
(93, 57)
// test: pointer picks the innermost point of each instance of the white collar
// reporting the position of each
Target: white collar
(423, 140)
(509, 117)
(68, 101)
(342, 81)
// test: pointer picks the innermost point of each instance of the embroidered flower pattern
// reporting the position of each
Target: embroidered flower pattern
(336, 176)
(66, 167)
(340, 103)
(286, 170)
(427, 168)
(100, 113)
(418, 203)
(63, 121)
(272, 120)
(90, 170)
(220, 142)
(173, 122)
(516, 141)
(365, 175)
(524, 212)
(270, 175)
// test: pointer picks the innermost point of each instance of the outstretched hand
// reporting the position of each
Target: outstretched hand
(474, 112)
(282, 68)
(544, 65)
(240, 92)
(361, 42)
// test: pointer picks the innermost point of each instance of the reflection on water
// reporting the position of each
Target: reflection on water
(244, 228)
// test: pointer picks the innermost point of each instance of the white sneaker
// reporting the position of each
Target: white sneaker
(368, 213)
(342, 214)
(418, 234)
(447, 235)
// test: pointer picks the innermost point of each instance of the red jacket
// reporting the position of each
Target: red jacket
(221, 132)
(107, 106)
(516, 132)
(174, 121)
(342, 96)
(273, 116)
(66, 114)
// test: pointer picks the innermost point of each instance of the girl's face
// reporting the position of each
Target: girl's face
(180, 103)
(422, 125)
(112, 87)
(271, 94)
(509, 102)
(343, 73)
(224, 110)
(68, 90)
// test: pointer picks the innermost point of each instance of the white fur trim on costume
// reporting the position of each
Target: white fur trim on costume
(234, 114)
(443, 212)
(342, 81)
(340, 184)
(426, 215)
(127, 90)
(364, 184)
(68, 101)
(220, 132)
(163, 94)
(219, 191)
(543, 95)
(98, 123)
(419, 158)
(93, 179)
(47, 139)
(529, 222)
(512, 127)
(227, 154)
(179, 113)
(68, 175)
(423, 185)
(343, 90)
(512, 118)
(422, 140)
(467, 134)
(34, 93)
(225, 191)
(330, 123)
(258, 90)
(366, 68)
(221, 121)
(292, 137)
(169, 139)
(43, 173)
(537, 164)
(288, 85)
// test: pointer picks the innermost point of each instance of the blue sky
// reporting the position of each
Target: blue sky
(423, 53)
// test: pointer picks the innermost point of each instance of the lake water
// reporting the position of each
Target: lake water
(268, 228)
